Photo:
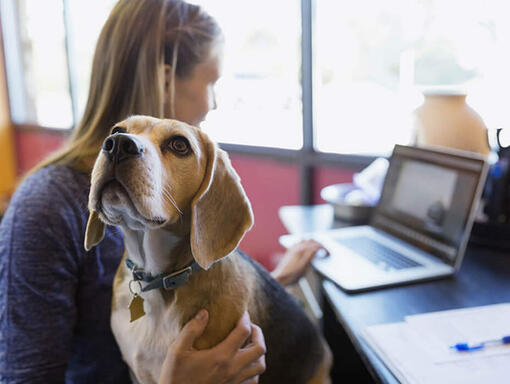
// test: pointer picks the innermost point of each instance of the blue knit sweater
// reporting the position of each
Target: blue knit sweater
(54, 296)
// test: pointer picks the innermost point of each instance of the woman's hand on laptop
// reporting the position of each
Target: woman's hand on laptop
(229, 362)
(295, 262)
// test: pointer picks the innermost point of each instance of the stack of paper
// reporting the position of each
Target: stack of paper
(418, 350)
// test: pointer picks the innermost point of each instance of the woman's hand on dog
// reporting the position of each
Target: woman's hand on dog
(296, 260)
(228, 362)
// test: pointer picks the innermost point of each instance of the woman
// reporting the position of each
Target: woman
(153, 57)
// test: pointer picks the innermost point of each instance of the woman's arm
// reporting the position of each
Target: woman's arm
(228, 362)
(38, 281)
(296, 260)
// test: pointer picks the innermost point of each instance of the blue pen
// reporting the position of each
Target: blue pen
(466, 347)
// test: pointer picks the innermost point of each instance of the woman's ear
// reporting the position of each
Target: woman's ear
(221, 213)
(95, 231)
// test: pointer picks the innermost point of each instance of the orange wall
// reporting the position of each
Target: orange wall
(7, 162)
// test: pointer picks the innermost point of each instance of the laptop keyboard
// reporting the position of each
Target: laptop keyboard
(378, 254)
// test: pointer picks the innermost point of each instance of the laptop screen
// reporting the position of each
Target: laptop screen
(428, 199)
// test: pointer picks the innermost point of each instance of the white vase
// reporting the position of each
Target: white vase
(446, 120)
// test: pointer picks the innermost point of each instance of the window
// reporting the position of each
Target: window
(373, 58)
(370, 61)
(48, 65)
(85, 20)
(41, 87)
(259, 94)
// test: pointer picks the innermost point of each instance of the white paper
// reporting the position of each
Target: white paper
(417, 352)
(470, 325)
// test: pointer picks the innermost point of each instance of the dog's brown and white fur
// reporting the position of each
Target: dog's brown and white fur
(180, 200)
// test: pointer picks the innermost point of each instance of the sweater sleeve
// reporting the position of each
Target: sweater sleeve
(39, 264)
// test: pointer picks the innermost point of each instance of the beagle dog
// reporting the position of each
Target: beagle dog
(183, 212)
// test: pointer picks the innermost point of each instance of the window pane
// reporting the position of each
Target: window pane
(259, 94)
(44, 66)
(374, 57)
(86, 19)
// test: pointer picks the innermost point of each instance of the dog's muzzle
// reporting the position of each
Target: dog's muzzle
(121, 146)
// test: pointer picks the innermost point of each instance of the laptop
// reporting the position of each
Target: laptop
(419, 229)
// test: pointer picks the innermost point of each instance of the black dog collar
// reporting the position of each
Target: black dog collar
(166, 281)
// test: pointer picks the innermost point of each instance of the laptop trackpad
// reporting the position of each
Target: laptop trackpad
(380, 255)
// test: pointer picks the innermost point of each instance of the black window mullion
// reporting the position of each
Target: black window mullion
(307, 170)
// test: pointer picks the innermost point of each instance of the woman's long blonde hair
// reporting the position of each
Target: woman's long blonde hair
(127, 77)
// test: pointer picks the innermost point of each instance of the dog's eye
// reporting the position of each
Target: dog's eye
(118, 130)
(179, 145)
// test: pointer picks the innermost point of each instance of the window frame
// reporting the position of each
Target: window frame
(307, 158)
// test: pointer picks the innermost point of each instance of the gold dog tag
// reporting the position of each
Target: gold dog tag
(136, 308)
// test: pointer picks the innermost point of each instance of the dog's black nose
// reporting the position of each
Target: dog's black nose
(120, 146)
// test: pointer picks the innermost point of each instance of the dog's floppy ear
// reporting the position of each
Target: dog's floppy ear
(220, 211)
(95, 230)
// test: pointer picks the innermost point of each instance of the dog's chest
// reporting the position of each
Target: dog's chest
(144, 343)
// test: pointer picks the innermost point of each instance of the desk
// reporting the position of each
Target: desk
(483, 279)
